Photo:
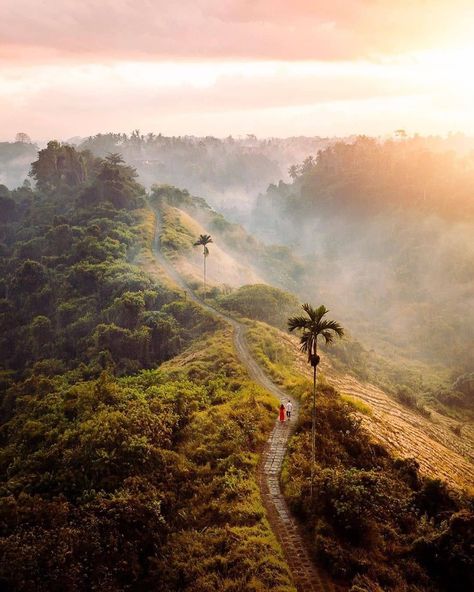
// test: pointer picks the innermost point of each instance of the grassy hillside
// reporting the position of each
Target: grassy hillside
(272, 263)
(379, 519)
(116, 468)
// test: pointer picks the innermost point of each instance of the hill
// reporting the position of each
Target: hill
(133, 428)
(386, 230)
(117, 466)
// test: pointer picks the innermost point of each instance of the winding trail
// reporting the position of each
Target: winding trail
(304, 573)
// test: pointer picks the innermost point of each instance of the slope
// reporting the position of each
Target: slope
(305, 575)
(431, 438)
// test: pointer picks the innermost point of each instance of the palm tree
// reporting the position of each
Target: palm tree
(114, 158)
(312, 326)
(204, 240)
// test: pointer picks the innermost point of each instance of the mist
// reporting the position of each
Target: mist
(15, 161)
(384, 230)
(387, 234)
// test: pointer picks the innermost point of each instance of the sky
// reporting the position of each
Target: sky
(220, 67)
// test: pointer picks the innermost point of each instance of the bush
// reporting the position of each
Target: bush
(261, 303)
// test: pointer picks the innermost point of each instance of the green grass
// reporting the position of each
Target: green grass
(175, 237)
(357, 404)
(222, 539)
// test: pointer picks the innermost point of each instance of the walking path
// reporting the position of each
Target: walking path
(305, 575)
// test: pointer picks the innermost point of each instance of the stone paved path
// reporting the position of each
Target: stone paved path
(305, 575)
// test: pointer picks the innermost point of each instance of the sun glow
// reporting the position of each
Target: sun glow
(449, 66)
(425, 92)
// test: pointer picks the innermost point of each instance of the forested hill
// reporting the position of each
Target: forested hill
(118, 471)
(238, 258)
(71, 300)
(387, 228)
(229, 172)
(131, 433)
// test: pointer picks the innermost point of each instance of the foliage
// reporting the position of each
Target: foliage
(274, 263)
(126, 479)
(110, 459)
(261, 303)
(175, 237)
(312, 326)
(70, 291)
(385, 227)
(357, 404)
(372, 515)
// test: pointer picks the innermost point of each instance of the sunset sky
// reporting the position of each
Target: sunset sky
(269, 67)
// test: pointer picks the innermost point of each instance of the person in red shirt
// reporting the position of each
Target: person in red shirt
(282, 412)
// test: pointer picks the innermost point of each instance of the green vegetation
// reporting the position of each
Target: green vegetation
(357, 404)
(206, 165)
(175, 237)
(143, 482)
(373, 520)
(386, 227)
(130, 433)
(71, 299)
(278, 360)
(261, 303)
(274, 263)
(118, 472)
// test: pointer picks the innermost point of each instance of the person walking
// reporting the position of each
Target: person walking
(282, 413)
(289, 409)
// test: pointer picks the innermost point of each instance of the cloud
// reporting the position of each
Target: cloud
(93, 30)
(267, 98)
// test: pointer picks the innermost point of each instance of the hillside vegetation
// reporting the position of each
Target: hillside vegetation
(229, 172)
(131, 434)
(387, 231)
(275, 264)
(116, 469)
(376, 521)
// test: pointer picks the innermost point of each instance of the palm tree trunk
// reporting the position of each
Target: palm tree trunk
(313, 418)
(204, 256)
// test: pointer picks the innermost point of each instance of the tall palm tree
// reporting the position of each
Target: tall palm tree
(311, 327)
(204, 240)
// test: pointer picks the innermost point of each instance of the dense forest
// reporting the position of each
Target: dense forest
(230, 172)
(69, 291)
(386, 229)
(131, 433)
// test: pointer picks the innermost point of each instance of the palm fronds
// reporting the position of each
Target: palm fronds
(204, 239)
(312, 326)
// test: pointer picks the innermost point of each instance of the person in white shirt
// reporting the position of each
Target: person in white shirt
(289, 409)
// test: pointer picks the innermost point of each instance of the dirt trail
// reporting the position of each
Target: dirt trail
(304, 573)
